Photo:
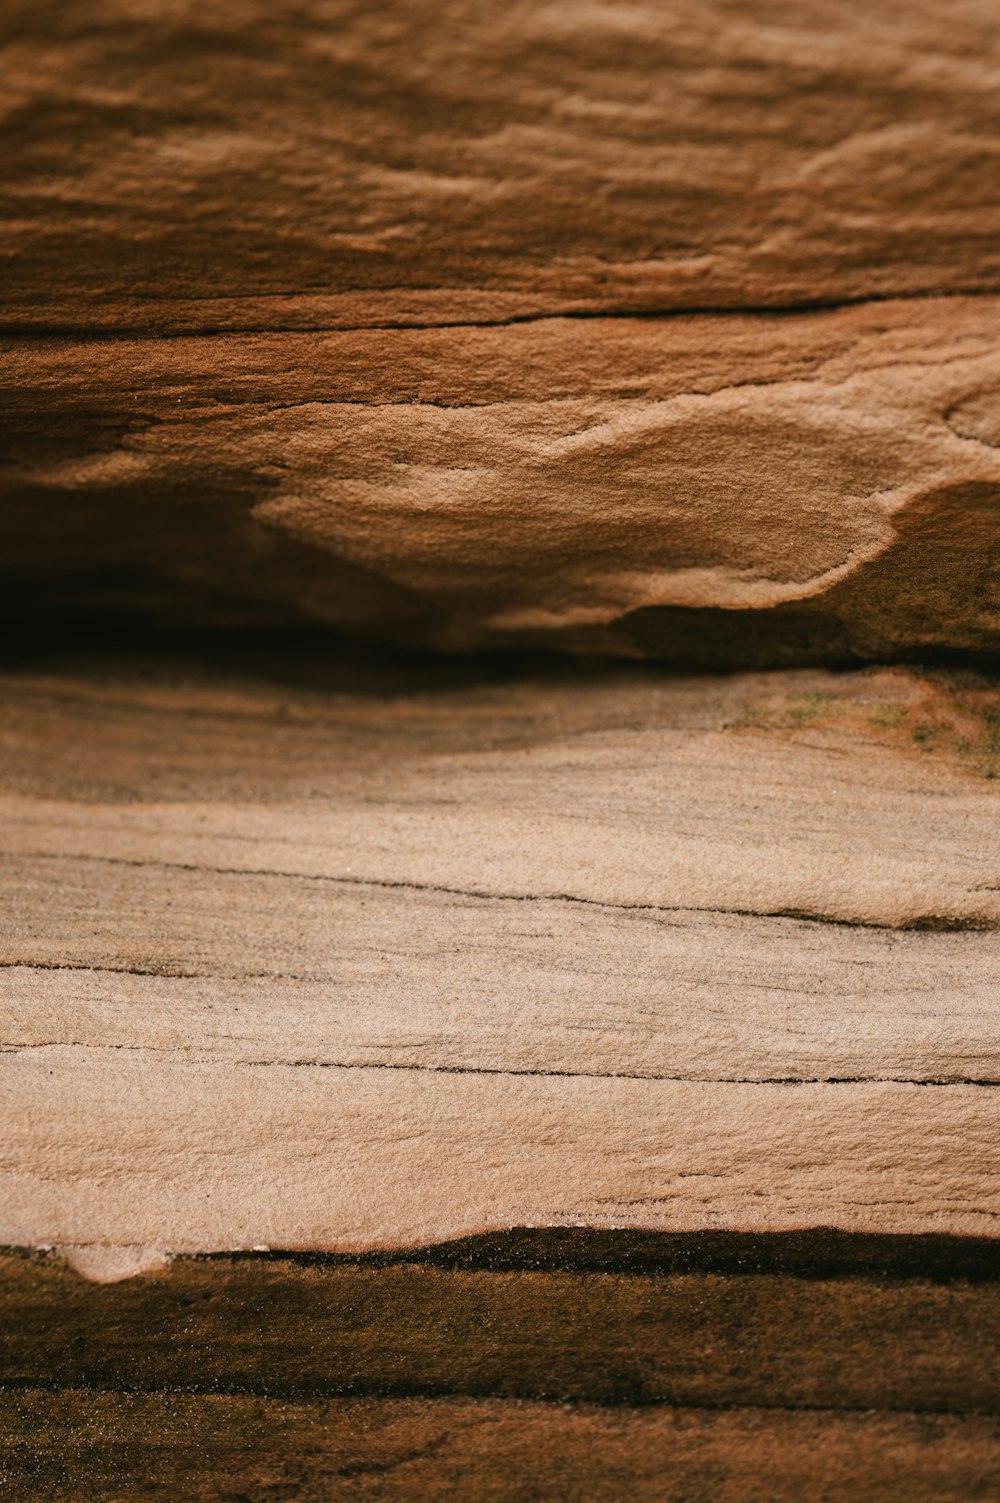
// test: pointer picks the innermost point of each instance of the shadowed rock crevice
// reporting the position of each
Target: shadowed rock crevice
(817, 488)
(812, 1253)
(704, 1322)
(944, 566)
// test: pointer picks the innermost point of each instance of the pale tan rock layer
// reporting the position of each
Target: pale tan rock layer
(714, 491)
(378, 967)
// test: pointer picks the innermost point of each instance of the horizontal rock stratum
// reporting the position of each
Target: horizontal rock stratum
(208, 164)
(625, 328)
(390, 963)
(711, 490)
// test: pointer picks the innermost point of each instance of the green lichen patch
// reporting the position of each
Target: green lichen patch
(952, 720)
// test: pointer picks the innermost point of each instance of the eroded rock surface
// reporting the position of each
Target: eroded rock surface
(399, 963)
(714, 491)
(266, 283)
(210, 164)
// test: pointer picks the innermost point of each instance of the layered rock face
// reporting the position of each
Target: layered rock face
(227, 163)
(715, 490)
(391, 966)
(457, 1074)
(468, 331)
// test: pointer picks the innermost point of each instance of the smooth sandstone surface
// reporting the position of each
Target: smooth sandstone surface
(355, 965)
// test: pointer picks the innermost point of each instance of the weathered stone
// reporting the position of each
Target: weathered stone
(209, 164)
(724, 489)
(710, 491)
(390, 966)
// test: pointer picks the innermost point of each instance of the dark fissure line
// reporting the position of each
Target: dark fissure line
(204, 1057)
(305, 1393)
(118, 970)
(921, 923)
(757, 1080)
(118, 333)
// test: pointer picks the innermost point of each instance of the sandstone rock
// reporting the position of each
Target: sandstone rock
(209, 164)
(545, 1367)
(350, 215)
(444, 1080)
(377, 968)
(718, 491)
(396, 1450)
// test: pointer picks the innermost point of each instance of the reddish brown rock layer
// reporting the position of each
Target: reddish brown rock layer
(231, 164)
(714, 491)
(720, 489)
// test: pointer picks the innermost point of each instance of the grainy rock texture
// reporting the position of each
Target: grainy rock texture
(266, 273)
(231, 163)
(550, 1366)
(69, 1447)
(638, 329)
(376, 966)
(712, 491)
